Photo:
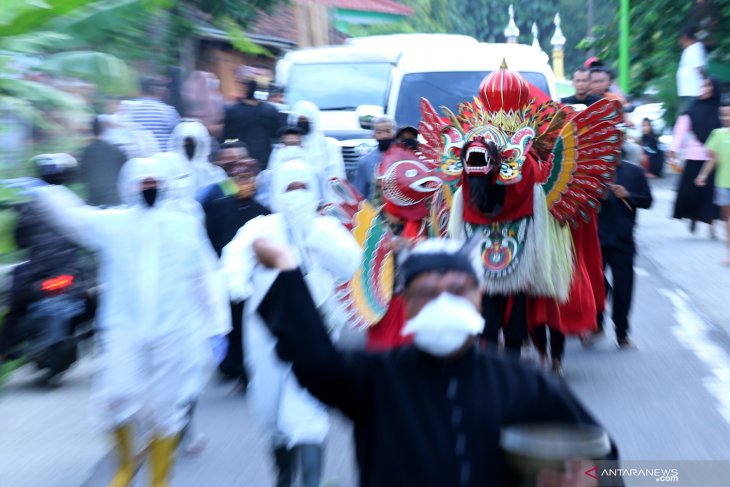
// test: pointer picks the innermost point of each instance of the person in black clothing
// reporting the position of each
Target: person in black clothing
(277, 98)
(99, 169)
(50, 253)
(582, 85)
(429, 414)
(227, 156)
(650, 144)
(691, 131)
(616, 221)
(224, 217)
(253, 122)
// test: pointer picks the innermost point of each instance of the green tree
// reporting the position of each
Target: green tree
(24, 34)
(655, 28)
(159, 31)
(574, 14)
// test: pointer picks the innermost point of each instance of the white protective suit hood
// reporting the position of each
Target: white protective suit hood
(137, 170)
(202, 173)
(197, 131)
(286, 153)
(298, 207)
(323, 154)
(311, 112)
(181, 190)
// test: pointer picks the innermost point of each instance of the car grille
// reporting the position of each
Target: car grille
(350, 157)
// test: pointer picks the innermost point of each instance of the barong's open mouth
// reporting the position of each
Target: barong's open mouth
(481, 157)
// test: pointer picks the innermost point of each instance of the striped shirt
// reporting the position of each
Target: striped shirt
(155, 116)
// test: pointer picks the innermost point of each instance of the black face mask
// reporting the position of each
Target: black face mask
(251, 87)
(304, 126)
(410, 144)
(189, 148)
(384, 145)
(149, 195)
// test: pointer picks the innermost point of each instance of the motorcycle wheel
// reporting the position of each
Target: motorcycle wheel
(60, 357)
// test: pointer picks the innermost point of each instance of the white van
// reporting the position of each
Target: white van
(400, 42)
(351, 84)
(446, 78)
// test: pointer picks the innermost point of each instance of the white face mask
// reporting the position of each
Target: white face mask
(444, 325)
(299, 208)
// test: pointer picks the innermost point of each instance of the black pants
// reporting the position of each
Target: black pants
(508, 314)
(621, 262)
(557, 341)
(232, 365)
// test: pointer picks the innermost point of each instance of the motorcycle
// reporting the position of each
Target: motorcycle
(49, 329)
(51, 307)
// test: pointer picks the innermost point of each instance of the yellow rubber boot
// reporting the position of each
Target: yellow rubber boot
(125, 456)
(162, 453)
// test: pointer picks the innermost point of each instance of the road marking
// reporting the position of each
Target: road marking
(692, 332)
(641, 272)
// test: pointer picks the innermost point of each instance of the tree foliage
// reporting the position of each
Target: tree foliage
(574, 14)
(655, 52)
(156, 30)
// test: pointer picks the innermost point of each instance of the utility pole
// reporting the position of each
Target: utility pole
(624, 40)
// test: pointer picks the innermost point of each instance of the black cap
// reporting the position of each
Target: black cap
(440, 261)
(406, 128)
(290, 130)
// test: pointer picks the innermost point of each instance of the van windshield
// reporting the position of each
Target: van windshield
(339, 86)
(445, 89)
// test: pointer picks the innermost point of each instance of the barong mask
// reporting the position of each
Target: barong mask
(492, 134)
(407, 183)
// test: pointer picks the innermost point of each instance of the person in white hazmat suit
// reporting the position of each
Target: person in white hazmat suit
(297, 422)
(322, 153)
(180, 197)
(160, 284)
(191, 142)
(279, 155)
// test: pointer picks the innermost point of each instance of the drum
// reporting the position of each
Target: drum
(532, 448)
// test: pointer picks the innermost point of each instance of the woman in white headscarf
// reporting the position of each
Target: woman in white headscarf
(297, 422)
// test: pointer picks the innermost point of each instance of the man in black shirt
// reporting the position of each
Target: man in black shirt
(616, 221)
(429, 414)
(253, 122)
(581, 83)
(224, 216)
(99, 169)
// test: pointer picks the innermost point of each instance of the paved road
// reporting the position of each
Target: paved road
(669, 400)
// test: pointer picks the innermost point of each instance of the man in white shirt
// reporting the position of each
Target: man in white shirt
(691, 64)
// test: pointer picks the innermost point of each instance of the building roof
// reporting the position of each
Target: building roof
(379, 6)
(281, 23)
